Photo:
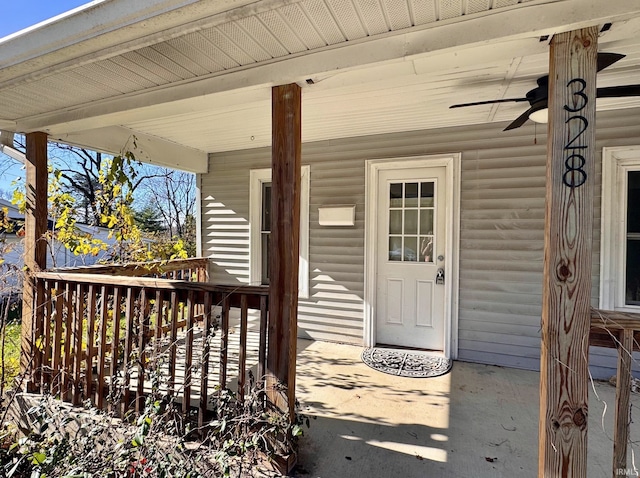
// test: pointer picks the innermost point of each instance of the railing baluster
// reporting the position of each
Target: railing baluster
(242, 360)
(47, 374)
(159, 323)
(204, 378)
(173, 347)
(224, 342)
(143, 320)
(188, 360)
(262, 347)
(91, 328)
(128, 348)
(67, 317)
(115, 346)
(57, 341)
(77, 346)
(158, 328)
(38, 334)
(102, 348)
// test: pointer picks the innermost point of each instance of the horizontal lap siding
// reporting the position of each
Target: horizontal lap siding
(334, 309)
(501, 231)
(502, 241)
(501, 250)
(225, 220)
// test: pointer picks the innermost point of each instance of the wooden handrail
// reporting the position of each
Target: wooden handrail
(620, 330)
(136, 269)
(152, 282)
(607, 327)
(615, 320)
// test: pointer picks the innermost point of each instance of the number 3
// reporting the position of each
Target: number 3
(580, 93)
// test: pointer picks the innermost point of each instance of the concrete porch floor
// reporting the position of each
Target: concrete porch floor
(476, 421)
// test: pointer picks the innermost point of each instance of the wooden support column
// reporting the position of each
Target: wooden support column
(284, 252)
(622, 416)
(566, 297)
(35, 245)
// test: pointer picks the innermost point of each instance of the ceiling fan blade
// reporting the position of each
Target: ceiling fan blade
(618, 91)
(489, 102)
(605, 60)
(522, 119)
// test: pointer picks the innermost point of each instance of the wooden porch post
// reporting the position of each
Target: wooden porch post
(566, 296)
(285, 236)
(35, 246)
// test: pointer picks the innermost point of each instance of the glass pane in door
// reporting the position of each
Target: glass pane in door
(411, 221)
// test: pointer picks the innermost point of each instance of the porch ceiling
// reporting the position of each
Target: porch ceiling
(187, 79)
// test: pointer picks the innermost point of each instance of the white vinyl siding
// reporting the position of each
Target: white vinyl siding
(501, 231)
(334, 308)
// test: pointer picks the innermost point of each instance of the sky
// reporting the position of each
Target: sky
(17, 15)
(20, 14)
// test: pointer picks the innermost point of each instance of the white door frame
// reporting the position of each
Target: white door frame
(451, 162)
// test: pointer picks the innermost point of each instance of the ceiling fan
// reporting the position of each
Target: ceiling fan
(538, 97)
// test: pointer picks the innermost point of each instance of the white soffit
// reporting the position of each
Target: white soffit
(392, 97)
(246, 37)
(378, 66)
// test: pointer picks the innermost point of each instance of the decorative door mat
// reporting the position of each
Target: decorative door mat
(406, 363)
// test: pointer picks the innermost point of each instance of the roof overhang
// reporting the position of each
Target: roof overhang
(217, 97)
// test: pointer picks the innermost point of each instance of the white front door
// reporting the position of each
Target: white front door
(410, 241)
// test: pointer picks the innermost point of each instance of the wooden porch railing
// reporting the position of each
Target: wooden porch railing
(194, 269)
(621, 331)
(98, 336)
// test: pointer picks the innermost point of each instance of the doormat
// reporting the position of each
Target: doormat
(406, 363)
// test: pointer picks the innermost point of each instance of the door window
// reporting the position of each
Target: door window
(411, 221)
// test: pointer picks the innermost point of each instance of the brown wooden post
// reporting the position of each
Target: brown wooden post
(285, 234)
(622, 416)
(566, 297)
(35, 246)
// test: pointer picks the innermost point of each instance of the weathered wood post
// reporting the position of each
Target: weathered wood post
(566, 293)
(285, 237)
(35, 245)
(622, 414)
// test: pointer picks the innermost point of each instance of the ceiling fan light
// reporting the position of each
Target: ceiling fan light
(540, 116)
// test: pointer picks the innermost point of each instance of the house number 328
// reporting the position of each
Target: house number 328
(574, 175)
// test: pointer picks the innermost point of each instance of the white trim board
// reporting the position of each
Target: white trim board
(616, 162)
(452, 163)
